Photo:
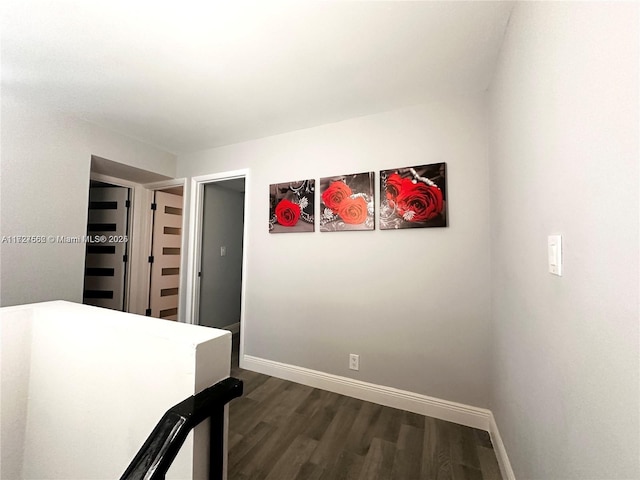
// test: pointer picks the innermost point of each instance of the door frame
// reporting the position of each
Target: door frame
(195, 246)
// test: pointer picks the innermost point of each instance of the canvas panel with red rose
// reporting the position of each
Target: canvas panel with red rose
(413, 197)
(347, 202)
(291, 206)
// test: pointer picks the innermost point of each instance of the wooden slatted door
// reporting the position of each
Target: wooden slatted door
(105, 263)
(165, 253)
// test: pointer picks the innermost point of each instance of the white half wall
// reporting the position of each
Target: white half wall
(564, 160)
(414, 304)
(15, 363)
(83, 387)
(44, 185)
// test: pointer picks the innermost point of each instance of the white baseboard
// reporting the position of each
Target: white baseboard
(501, 452)
(392, 397)
(233, 328)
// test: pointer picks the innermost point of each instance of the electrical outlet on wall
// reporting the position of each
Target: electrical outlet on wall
(354, 361)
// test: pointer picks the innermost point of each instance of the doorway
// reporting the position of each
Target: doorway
(221, 257)
(218, 232)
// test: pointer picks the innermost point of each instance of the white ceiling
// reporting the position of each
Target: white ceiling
(188, 75)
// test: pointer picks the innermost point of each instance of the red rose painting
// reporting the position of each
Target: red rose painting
(413, 197)
(335, 194)
(394, 185)
(292, 207)
(287, 213)
(347, 202)
(353, 210)
(418, 202)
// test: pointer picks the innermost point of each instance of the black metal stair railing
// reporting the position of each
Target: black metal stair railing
(161, 447)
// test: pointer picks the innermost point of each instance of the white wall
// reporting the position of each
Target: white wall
(15, 355)
(564, 160)
(414, 304)
(46, 160)
(221, 279)
(84, 391)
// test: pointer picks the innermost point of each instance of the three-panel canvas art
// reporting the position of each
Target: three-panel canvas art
(410, 197)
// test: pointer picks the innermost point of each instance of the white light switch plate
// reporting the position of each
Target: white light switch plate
(554, 248)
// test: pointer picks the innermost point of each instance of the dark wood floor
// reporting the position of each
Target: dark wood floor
(280, 430)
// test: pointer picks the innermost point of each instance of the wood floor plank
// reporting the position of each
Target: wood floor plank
(309, 471)
(234, 439)
(413, 419)
(288, 401)
(463, 446)
(238, 476)
(311, 404)
(408, 457)
(245, 420)
(266, 408)
(318, 423)
(347, 467)
(489, 464)
(335, 436)
(483, 439)
(267, 390)
(260, 460)
(363, 429)
(293, 458)
(379, 460)
(239, 452)
(436, 457)
(464, 472)
(388, 424)
(323, 414)
(240, 408)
